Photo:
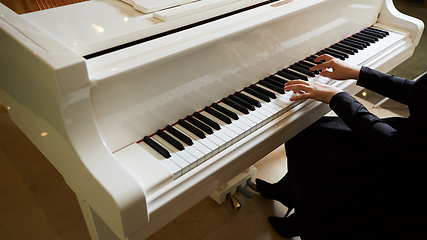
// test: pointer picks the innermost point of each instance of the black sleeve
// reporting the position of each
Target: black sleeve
(387, 85)
(385, 141)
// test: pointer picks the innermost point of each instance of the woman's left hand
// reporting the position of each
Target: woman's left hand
(314, 90)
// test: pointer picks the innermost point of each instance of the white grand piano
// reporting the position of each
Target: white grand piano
(91, 84)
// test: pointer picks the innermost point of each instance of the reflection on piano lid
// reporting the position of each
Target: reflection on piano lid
(213, 130)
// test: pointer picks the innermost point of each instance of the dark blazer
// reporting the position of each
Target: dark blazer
(387, 142)
(400, 148)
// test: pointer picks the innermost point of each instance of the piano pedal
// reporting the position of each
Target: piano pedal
(235, 204)
(245, 192)
(252, 185)
(237, 184)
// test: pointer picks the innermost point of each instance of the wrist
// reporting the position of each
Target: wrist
(355, 72)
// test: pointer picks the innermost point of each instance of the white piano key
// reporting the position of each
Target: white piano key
(270, 106)
(185, 162)
(192, 150)
(233, 136)
(183, 154)
(242, 117)
(205, 142)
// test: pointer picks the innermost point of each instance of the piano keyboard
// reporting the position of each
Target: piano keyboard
(187, 143)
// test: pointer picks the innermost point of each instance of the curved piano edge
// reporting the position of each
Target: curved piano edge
(44, 88)
(104, 183)
(392, 17)
(119, 201)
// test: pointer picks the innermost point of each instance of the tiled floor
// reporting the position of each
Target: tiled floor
(37, 204)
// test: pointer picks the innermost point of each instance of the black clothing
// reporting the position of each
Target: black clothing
(357, 176)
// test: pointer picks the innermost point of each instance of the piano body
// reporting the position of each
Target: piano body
(87, 82)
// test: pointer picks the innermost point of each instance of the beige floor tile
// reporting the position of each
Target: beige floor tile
(250, 223)
(203, 218)
(57, 237)
(169, 232)
(272, 167)
(208, 214)
(57, 200)
(77, 232)
(10, 177)
(8, 129)
(22, 218)
(28, 160)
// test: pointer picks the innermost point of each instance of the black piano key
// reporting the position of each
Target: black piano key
(278, 79)
(299, 76)
(225, 111)
(274, 82)
(353, 39)
(248, 99)
(235, 105)
(302, 70)
(286, 75)
(218, 115)
(333, 54)
(191, 128)
(367, 30)
(342, 49)
(312, 58)
(337, 52)
(264, 91)
(371, 33)
(157, 147)
(272, 87)
(207, 121)
(364, 39)
(257, 94)
(353, 44)
(170, 140)
(309, 65)
(378, 30)
(241, 102)
(367, 36)
(199, 124)
(179, 135)
(346, 47)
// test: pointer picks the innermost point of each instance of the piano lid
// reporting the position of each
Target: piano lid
(93, 26)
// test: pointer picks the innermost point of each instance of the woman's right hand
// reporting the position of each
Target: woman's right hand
(340, 70)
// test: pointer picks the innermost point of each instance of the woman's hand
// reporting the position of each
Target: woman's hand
(313, 90)
(341, 70)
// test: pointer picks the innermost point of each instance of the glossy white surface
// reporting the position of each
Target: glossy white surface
(96, 25)
(145, 167)
(77, 112)
(145, 87)
(147, 6)
(189, 9)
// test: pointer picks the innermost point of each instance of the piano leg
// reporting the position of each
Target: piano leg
(98, 230)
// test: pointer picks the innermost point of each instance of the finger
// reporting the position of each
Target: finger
(293, 82)
(325, 57)
(322, 66)
(327, 74)
(300, 97)
(298, 88)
